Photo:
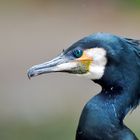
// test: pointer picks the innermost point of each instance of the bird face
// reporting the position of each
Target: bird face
(99, 56)
(88, 62)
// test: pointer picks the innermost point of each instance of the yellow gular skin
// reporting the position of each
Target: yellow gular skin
(85, 60)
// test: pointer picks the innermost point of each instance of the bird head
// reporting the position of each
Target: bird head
(100, 57)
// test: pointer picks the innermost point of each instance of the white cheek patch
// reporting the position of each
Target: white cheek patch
(97, 68)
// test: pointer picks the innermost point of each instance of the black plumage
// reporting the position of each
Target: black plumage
(102, 117)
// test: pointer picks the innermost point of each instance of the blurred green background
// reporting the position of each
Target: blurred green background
(34, 31)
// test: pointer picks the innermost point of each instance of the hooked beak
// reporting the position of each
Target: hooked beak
(58, 64)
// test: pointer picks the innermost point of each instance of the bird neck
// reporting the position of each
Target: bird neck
(103, 115)
(122, 95)
(116, 101)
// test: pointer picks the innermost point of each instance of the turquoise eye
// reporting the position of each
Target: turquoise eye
(78, 53)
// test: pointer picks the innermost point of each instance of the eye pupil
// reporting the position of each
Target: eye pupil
(78, 53)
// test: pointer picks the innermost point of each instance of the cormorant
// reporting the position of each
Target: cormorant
(114, 63)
